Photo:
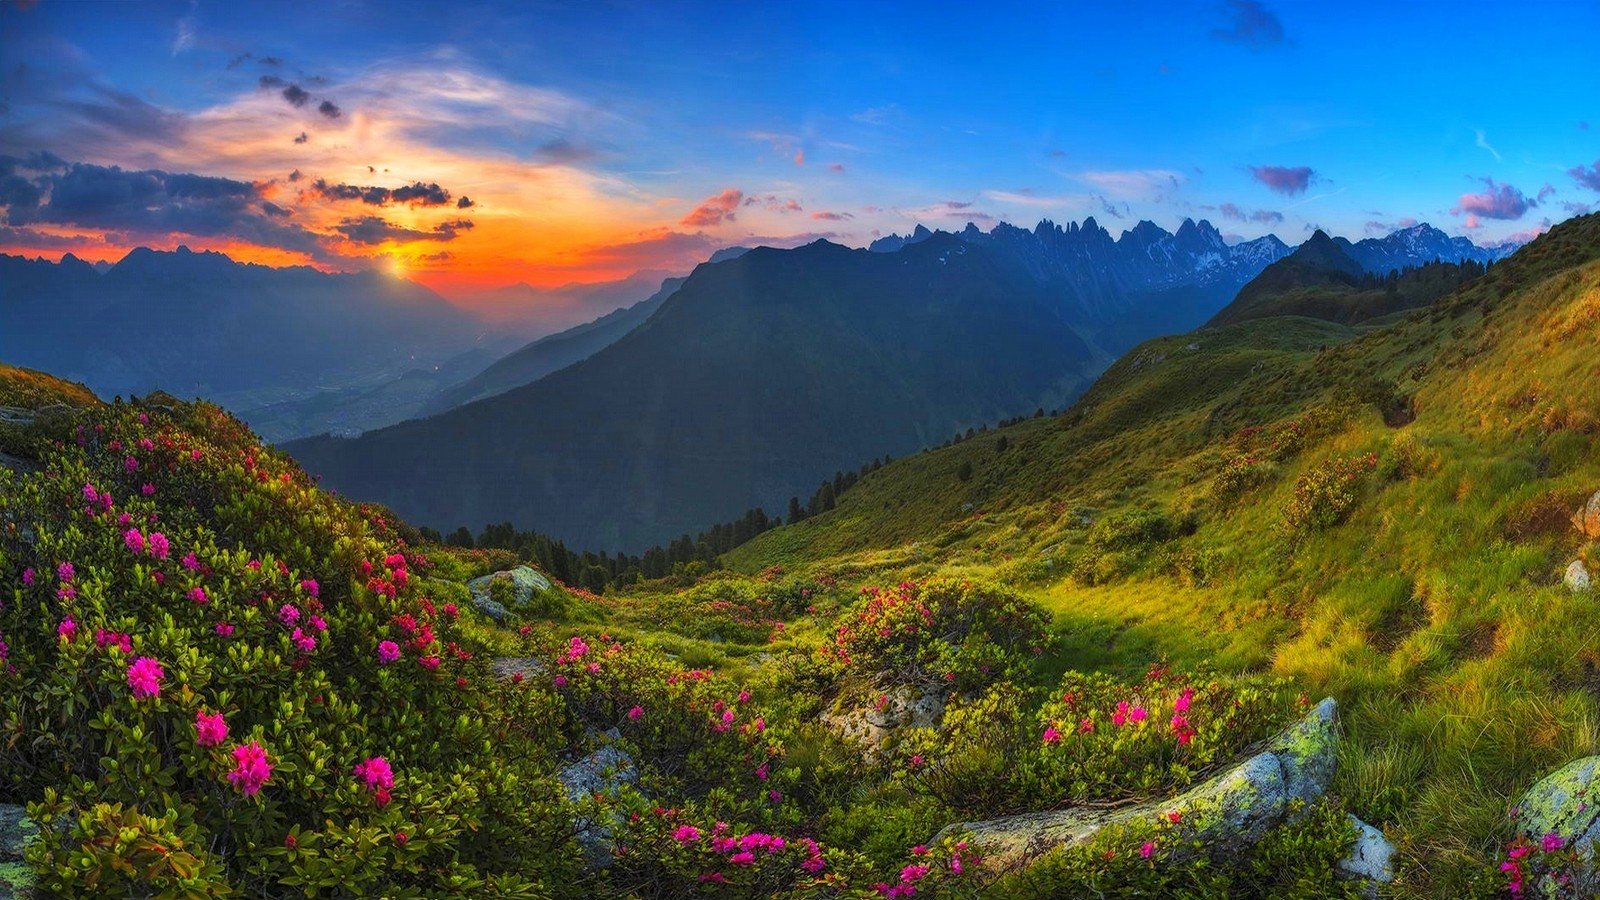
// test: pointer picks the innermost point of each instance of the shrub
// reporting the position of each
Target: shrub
(1325, 496)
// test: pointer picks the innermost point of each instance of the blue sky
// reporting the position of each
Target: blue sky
(593, 139)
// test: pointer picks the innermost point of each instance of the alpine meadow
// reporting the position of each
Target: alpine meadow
(592, 450)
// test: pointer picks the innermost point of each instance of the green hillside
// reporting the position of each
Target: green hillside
(1186, 507)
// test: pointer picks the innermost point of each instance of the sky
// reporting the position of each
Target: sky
(472, 145)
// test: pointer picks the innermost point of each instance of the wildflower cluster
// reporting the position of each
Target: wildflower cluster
(1325, 495)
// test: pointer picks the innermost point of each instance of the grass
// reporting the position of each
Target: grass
(1434, 613)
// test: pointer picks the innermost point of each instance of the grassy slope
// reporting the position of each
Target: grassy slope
(1434, 613)
(32, 389)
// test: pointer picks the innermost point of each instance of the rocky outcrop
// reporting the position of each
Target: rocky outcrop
(526, 583)
(515, 667)
(1588, 518)
(1370, 861)
(1226, 814)
(874, 723)
(1565, 803)
(601, 772)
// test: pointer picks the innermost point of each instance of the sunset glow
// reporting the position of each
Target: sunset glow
(471, 148)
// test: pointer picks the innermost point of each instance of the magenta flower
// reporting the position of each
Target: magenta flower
(210, 730)
(310, 587)
(428, 662)
(1138, 714)
(1148, 848)
(376, 773)
(742, 858)
(388, 652)
(561, 681)
(288, 614)
(134, 540)
(636, 714)
(1552, 842)
(67, 628)
(1181, 705)
(131, 464)
(148, 489)
(224, 629)
(774, 795)
(319, 623)
(190, 561)
(686, 834)
(144, 677)
(305, 642)
(90, 495)
(64, 571)
(159, 547)
(27, 576)
(250, 768)
(197, 594)
(1052, 735)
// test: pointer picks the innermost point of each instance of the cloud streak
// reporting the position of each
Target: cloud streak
(1288, 180)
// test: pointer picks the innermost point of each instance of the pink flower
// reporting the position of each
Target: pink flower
(916, 758)
(761, 772)
(159, 546)
(378, 776)
(197, 595)
(429, 662)
(63, 571)
(67, 628)
(1138, 714)
(955, 864)
(561, 681)
(305, 642)
(288, 614)
(250, 768)
(210, 730)
(148, 489)
(224, 629)
(686, 834)
(744, 696)
(388, 652)
(134, 540)
(1148, 848)
(742, 858)
(774, 796)
(1052, 735)
(1181, 705)
(190, 561)
(123, 641)
(319, 623)
(1518, 852)
(309, 585)
(636, 714)
(90, 495)
(813, 864)
(130, 464)
(592, 668)
(144, 677)
(27, 576)
(1552, 842)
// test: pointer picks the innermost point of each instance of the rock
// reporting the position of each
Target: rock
(1226, 814)
(601, 772)
(17, 831)
(1577, 578)
(525, 583)
(507, 667)
(1567, 803)
(1370, 861)
(1588, 518)
(904, 707)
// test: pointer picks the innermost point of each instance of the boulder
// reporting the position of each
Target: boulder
(525, 582)
(1577, 578)
(507, 667)
(1370, 861)
(1565, 803)
(601, 772)
(1588, 517)
(1226, 814)
(17, 831)
(874, 723)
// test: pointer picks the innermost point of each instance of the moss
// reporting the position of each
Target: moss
(17, 876)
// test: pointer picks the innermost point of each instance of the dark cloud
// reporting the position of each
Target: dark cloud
(441, 256)
(1497, 201)
(152, 202)
(271, 61)
(826, 216)
(1251, 24)
(1284, 179)
(295, 175)
(715, 210)
(269, 82)
(296, 95)
(1231, 211)
(328, 109)
(1266, 216)
(1545, 192)
(415, 194)
(273, 209)
(1110, 209)
(1587, 176)
(38, 240)
(374, 230)
(465, 202)
(239, 60)
(837, 167)
(1576, 209)
(301, 138)
(562, 152)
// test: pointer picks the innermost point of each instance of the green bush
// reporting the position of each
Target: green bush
(1325, 495)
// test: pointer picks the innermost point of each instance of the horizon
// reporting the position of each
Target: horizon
(568, 146)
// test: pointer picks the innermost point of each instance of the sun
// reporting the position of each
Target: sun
(396, 266)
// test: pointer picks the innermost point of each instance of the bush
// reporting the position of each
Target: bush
(1325, 496)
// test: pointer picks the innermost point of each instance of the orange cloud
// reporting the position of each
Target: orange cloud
(715, 210)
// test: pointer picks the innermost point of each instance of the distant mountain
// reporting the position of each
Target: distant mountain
(541, 311)
(1420, 244)
(200, 323)
(757, 378)
(550, 353)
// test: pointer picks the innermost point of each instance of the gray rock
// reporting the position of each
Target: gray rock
(1577, 578)
(525, 583)
(507, 667)
(17, 831)
(1567, 803)
(1370, 861)
(905, 707)
(1226, 814)
(601, 772)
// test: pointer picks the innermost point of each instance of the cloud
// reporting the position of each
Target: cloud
(1231, 211)
(270, 82)
(1266, 216)
(415, 194)
(800, 157)
(877, 115)
(39, 240)
(562, 152)
(826, 216)
(1588, 177)
(661, 248)
(374, 230)
(1406, 222)
(152, 202)
(271, 61)
(837, 167)
(1110, 209)
(1251, 24)
(1500, 201)
(1576, 209)
(239, 60)
(465, 202)
(296, 95)
(1134, 184)
(1545, 192)
(185, 37)
(301, 138)
(327, 108)
(1284, 179)
(1484, 143)
(1239, 214)
(715, 210)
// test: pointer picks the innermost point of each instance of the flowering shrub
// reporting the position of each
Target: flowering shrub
(1546, 866)
(1325, 495)
(944, 631)
(200, 646)
(1241, 473)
